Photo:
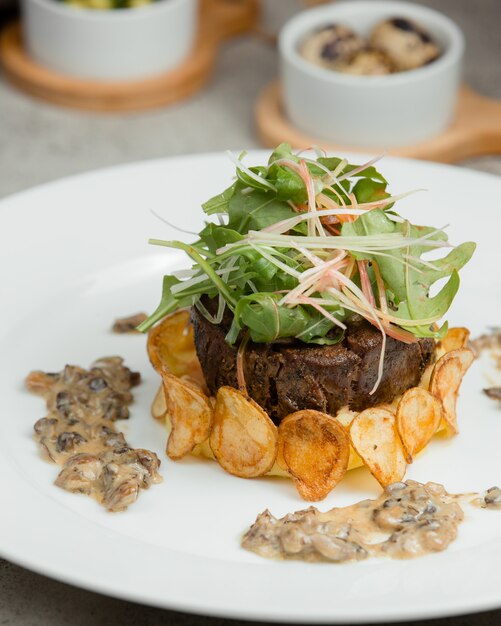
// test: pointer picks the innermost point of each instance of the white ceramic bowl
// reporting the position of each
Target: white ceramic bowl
(370, 111)
(114, 44)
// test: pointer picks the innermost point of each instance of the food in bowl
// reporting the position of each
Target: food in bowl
(369, 62)
(107, 4)
(395, 45)
(304, 341)
(406, 43)
(405, 109)
(109, 45)
(332, 46)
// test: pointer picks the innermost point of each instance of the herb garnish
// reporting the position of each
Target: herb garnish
(303, 244)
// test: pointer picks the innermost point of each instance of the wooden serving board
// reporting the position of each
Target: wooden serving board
(219, 20)
(476, 130)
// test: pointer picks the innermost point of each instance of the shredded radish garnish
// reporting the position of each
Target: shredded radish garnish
(352, 287)
(360, 168)
(312, 258)
(313, 278)
(336, 193)
(203, 310)
(312, 203)
(342, 164)
(249, 172)
(303, 172)
(383, 304)
(323, 311)
(358, 243)
(220, 309)
(320, 152)
(366, 283)
(181, 230)
(387, 318)
(429, 264)
(190, 282)
(286, 225)
(240, 364)
(269, 257)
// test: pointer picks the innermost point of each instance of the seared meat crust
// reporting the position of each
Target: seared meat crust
(287, 376)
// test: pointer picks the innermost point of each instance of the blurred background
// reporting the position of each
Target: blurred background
(40, 142)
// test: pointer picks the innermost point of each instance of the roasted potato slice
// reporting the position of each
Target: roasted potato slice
(190, 413)
(446, 380)
(171, 346)
(455, 339)
(375, 438)
(159, 405)
(424, 383)
(418, 417)
(315, 449)
(243, 438)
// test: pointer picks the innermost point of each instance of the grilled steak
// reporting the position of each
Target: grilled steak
(288, 376)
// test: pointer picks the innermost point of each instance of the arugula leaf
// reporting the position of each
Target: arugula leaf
(233, 333)
(331, 163)
(219, 203)
(266, 321)
(256, 210)
(283, 151)
(371, 223)
(249, 181)
(369, 190)
(168, 303)
(428, 331)
(406, 275)
(215, 236)
(332, 339)
(321, 330)
(289, 184)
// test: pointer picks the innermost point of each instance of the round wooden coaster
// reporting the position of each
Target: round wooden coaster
(219, 20)
(476, 129)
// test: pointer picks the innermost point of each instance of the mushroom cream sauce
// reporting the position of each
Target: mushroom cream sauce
(79, 432)
(408, 520)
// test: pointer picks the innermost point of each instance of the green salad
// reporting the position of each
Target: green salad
(300, 245)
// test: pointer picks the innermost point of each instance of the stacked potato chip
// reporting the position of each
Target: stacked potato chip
(313, 448)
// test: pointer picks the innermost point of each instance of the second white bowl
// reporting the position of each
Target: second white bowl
(370, 111)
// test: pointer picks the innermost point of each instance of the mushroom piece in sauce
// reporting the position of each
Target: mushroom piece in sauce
(492, 498)
(128, 324)
(79, 432)
(493, 392)
(408, 520)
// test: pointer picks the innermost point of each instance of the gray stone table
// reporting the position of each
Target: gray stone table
(39, 142)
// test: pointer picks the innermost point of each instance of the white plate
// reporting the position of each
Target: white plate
(74, 258)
